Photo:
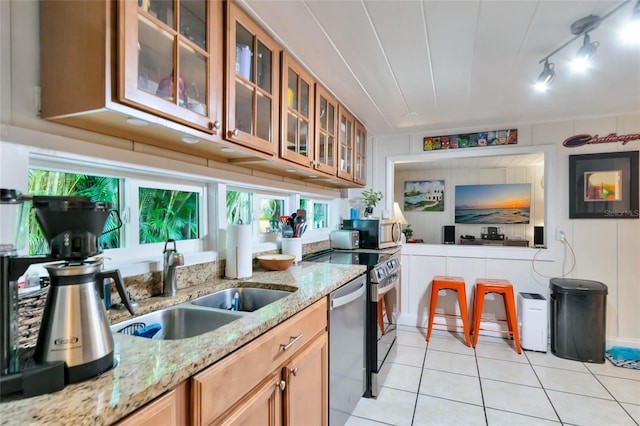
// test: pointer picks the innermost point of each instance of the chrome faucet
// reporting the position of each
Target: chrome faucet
(172, 259)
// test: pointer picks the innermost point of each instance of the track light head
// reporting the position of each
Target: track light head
(630, 33)
(586, 51)
(546, 77)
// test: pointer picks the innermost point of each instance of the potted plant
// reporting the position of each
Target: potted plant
(371, 198)
(408, 232)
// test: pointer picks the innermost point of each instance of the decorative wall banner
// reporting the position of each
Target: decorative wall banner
(583, 139)
(424, 196)
(469, 140)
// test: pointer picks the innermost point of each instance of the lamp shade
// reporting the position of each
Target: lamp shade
(397, 214)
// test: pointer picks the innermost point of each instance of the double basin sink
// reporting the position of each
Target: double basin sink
(200, 315)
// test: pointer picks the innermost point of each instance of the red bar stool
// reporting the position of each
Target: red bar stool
(441, 282)
(503, 287)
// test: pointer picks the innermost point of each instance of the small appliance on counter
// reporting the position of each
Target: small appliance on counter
(74, 340)
(376, 233)
(345, 239)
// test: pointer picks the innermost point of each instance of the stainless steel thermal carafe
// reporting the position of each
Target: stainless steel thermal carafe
(74, 327)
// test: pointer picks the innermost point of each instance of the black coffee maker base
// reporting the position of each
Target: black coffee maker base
(38, 379)
(89, 370)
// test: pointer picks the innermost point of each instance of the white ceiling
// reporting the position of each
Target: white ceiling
(421, 66)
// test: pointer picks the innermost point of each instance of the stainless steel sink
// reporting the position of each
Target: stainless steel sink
(249, 298)
(178, 322)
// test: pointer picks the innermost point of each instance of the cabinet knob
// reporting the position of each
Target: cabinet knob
(215, 126)
(294, 371)
(281, 384)
(233, 132)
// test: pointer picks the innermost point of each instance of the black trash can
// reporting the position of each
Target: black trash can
(578, 319)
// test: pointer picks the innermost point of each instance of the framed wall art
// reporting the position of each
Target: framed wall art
(604, 185)
(424, 196)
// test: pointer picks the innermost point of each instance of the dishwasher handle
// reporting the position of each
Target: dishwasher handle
(341, 301)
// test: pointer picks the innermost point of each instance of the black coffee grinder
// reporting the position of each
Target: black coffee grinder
(74, 340)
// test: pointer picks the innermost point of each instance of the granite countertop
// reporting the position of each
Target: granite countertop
(147, 368)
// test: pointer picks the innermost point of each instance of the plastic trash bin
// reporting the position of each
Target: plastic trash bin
(578, 319)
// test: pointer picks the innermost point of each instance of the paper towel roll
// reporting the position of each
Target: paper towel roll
(239, 256)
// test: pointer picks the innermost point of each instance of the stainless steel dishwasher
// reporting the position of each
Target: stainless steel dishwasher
(347, 363)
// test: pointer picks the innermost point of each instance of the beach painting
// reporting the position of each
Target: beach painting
(424, 196)
(493, 204)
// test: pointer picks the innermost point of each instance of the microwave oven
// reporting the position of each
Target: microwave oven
(374, 233)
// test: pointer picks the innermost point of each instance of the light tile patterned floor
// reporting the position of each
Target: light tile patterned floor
(445, 382)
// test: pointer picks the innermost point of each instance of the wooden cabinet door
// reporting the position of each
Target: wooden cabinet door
(170, 409)
(296, 115)
(346, 124)
(252, 83)
(326, 138)
(360, 154)
(307, 381)
(170, 60)
(262, 406)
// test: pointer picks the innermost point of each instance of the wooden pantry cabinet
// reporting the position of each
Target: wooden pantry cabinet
(279, 378)
(106, 62)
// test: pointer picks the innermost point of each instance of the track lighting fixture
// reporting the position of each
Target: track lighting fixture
(546, 77)
(582, 27)
(631, 31)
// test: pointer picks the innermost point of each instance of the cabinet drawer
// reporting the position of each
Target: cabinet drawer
(220, 386)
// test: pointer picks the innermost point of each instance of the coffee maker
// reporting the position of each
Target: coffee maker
(74, 340)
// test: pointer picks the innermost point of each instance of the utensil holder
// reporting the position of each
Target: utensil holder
(292, 246)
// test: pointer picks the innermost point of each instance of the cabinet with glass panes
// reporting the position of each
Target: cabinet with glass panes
(252, 83)
(326, 124)
(360, 154)
(171, 60)
(346, 124)
(296, 115)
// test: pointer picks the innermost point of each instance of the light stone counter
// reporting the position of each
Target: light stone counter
(147, 368)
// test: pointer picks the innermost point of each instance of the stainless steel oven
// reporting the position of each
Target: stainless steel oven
(383, 282)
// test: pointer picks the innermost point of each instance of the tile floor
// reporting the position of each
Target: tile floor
(445, 382)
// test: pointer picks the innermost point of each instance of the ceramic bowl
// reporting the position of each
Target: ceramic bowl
(276, 262)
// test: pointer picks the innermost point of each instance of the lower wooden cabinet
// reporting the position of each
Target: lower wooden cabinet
(279, 378)
(170, 409)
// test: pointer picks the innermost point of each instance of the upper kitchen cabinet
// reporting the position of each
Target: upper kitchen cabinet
(346, 126)
(297, 120)
(360, 151)
(326, 136)
(169, 58)
(252, 83)
(148, 71)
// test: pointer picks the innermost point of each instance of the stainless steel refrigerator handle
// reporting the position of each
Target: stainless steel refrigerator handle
(341, 301)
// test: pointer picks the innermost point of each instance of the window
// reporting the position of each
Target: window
(98, 188)
(167, 214)
(317, 213)
(151, 212)
(238, 207)
(269, 217)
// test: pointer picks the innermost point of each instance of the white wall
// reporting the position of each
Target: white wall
(606, 250)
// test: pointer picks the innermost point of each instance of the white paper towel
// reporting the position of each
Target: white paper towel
(239, 256)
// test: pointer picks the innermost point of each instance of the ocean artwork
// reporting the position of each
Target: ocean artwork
(424, 196)
(493, 204)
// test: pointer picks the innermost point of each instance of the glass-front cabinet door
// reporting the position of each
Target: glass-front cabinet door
(346, 124)
(252, 83)
(360, 151)
(297, 119)
(171, 60)
(326, 113)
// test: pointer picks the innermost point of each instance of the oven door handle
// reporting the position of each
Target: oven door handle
(346, 299)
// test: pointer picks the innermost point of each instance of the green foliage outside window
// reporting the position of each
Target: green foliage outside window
(98, 188)
(167, 214)
(238, 207)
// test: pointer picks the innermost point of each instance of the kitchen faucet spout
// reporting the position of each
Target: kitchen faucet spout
(172, 259)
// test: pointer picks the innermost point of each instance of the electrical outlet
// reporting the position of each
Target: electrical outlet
(560, 235)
